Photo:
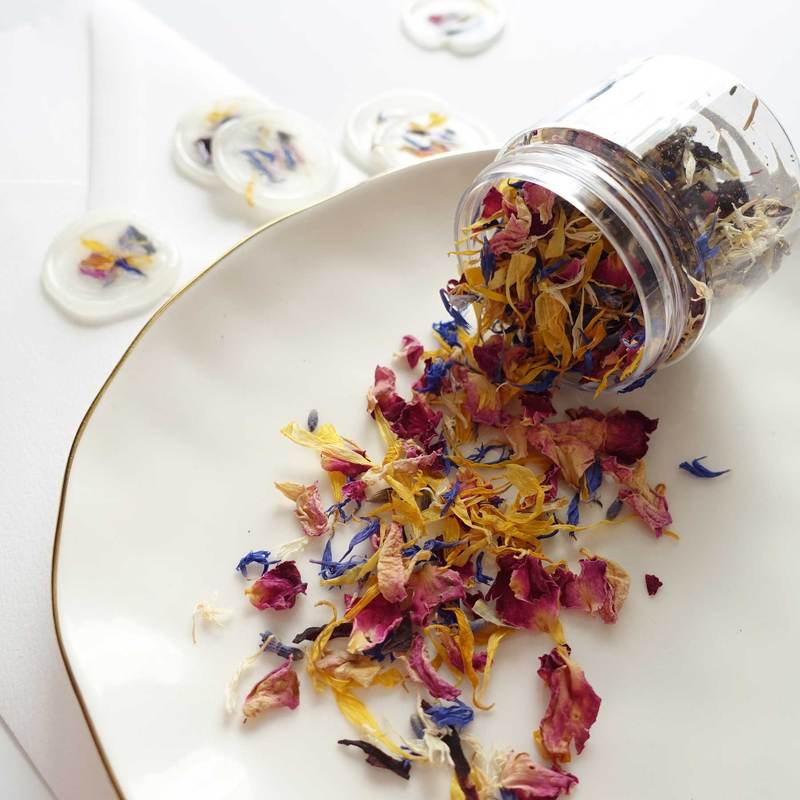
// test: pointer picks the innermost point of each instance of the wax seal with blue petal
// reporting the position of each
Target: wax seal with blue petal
(408, 139)
(192, 145)
(107, 266)
(367, 122)
(277, 160)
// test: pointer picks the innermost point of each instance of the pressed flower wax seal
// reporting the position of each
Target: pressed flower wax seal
(277, 159)
(464, 26)
(365, 123)
(106, 266)
(410, 138)
(193, 141)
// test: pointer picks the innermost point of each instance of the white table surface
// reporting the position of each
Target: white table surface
(322, 58)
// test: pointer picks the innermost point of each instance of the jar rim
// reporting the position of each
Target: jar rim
(584, 178)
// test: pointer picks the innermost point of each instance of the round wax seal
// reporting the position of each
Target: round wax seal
(192, 145)
(367, 122)
(408, 139)
(106, 266)
(277, 159)
(464, 26)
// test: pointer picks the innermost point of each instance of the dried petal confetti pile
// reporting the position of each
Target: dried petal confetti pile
(437, 548)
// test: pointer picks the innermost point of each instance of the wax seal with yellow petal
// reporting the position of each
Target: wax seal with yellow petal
(107, 266)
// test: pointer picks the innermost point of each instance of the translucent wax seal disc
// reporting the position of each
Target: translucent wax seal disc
(192, 147)
(464, 26)
(104, 267)
(409, 139)
(367, 122)
(277, 159)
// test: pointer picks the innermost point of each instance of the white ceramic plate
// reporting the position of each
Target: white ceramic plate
(170, 482)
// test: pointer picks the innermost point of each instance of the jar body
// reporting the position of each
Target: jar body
(685, 172)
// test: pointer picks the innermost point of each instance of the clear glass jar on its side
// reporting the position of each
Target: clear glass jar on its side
(687, 175)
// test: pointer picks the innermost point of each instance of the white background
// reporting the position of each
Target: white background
(323, 58)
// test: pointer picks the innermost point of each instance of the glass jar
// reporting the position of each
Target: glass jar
(687, 175)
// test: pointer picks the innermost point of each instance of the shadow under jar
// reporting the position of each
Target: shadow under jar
(685, 176)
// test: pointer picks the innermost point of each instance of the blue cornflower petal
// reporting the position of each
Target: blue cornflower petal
(255, 557)
(706, 252)
(488, 261)
(123, 264)
(417, 726)
(434, 545)
(452, 311)
(594, 477)
(480, 575)
(573, 513)
(544, 382)
(637, 384)
(484, 449)
(454, 716)
(435, 372)
(614, 509)
(330, 568)
(372, 527)
(449, 497)
(448, 332)
(698, 470)
(279, 648)
(338, 508)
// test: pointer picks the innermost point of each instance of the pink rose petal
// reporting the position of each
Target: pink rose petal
(374, 623)
(411, 349)
(390, 569)
(601, 588)
(531, 781)
(431, 586)
(277, 589)
(573, 705)
(421, 669)
(280, 688)
(648, 503)
(525, 595)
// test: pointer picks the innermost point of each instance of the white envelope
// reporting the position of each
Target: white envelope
(92, 95)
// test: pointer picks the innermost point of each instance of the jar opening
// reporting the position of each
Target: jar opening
(615, 276)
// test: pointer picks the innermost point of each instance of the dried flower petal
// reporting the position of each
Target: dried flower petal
(612, 271)
(456, 716)
(256, 557)
(390, 569)
(653, 584)
(573, 705)
(697, 469)
(601, 588)
(349, 667)
(461, 766)
(377, 758)
(430, 586)
(648, 503)
(492, 203)
(537, 407)
(571, 445)
(625, 435)
(277, 588)
(280, 688)
(411, 349)
(374, 623)
(525, 595)
(208, 612)
(421, 669)
(531, 781)
(309, 511)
